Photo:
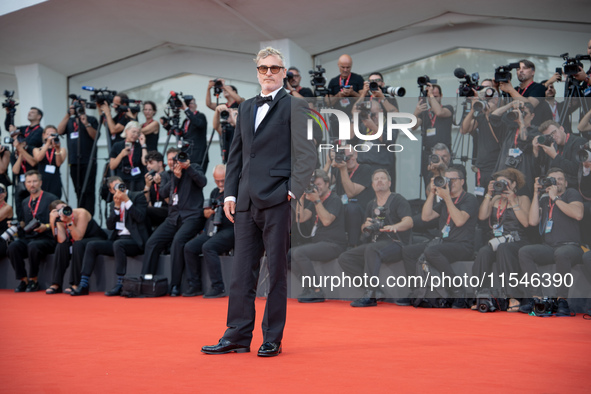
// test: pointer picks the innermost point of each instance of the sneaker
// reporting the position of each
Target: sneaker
(310, 296)
(527, 305)
(21, 287)
(32, 286)
(402, 301)
(215, 293)
(563, 308)
(363, 302)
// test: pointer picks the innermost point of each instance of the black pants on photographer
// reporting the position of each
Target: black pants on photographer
(211, 247)
(507, 258)
(564, 256)
(302, 256)
(35, 249)
(354, 218)
(62, 259)
(120, 249)
(368, 258)
(175, 233)
(88, 199)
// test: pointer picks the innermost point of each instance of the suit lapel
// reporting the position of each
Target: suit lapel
(280, 95)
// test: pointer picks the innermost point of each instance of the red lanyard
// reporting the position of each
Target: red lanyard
(36, 206)
(130, 155)
(522, 93)
(353, 172)
(50, 158)
(122, 213)
(157, 192)
(346, 82)
(516, 135)
(24, 168)
(554, 110)
(567, 137)
(27, 132)
(75, 126)
(433, 118)
(147, 123)
(551, 205)
(500, 212)
(478, 178)
(455, 202)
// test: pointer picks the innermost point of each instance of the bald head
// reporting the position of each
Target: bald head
(219, 175)
(345, 63)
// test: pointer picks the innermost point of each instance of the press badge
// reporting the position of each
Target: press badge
(158, 204)
(175, 199)
(135, 171)
(49, 169)
(74, 135)
(587, 92)
(345, 199)
(71, 249)
(515, 152)
(345, 102)
(479, 191)
(120, 226)
(445, 231)
(498, 230)
(431, 132)
(22, 177)
(549, 226)
(313, 233)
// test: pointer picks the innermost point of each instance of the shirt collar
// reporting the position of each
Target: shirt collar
(272, 94)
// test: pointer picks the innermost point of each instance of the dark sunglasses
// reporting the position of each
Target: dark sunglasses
(264, 69)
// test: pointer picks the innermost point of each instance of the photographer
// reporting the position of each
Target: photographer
(345, 86)
(73, 229)
(488, 147)
(155, 177)
(35, 240)
(556, 209)
(4, 165)
(116, 125)
(127, 221)
(22, 161)
(327, 239)
(224, 122)
(373, 88)
(294, 78)
(528, 91)
(557, 108)
(585, 77)
(185, 219)
(49, 159)
(353, 186)
(80, 130)
(585, 124)
(508, 216)
(128, 158)
(387, 213)
(150, 128)
(458, 215)
(230, 94)
(5, 216)
(558, 150)
(195, 131)
(435, 122)
(217, 238)
(32, 133)
(516, 134)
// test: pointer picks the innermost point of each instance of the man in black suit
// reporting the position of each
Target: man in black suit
(260, 181)
(127, 220)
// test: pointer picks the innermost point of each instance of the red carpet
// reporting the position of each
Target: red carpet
(96, 344)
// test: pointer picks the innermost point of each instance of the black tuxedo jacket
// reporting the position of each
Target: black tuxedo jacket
(135, 219)
(263, 166)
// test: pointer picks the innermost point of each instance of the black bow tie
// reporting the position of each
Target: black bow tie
(260, 100)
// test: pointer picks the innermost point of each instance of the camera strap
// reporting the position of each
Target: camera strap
(491, 128)
(343, 82)
(37, 205)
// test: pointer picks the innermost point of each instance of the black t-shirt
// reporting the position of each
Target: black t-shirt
(396, 210)
(125, 168)
(41, 213)
(566, 159)
(436, 129)
(306, 92)
(489, 148)
(334, 86)
(195, 130)
(122, 119)
(467, 202)
(78, 135)
(152, 139)
(33, 135)
(361, 176)
(564, 228)
(542, 112)
(334, 233)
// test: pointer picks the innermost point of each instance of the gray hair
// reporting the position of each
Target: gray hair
(268, 51)
(440, 146)
(132, 125)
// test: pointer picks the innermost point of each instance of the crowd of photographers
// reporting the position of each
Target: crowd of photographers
(530, 206)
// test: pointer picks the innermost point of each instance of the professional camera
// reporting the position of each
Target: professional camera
(152, 173)
(55, 138)
(100, 96)
(547, 181)
(375, 226)
(503, 73)
(175, 100)
(9, 103)
(127, 106)
(18, 135)
(547, 140)
(218, 87)
(181, 157)
(364, 109)
(340, 157)
(121, 187)
(545, 306)
(584, 153)
(11, 232)
(486, 302)
(495, 242)
(318, 81)
(500, 186)
(424, 80)
(66, 210)
(79, 103)
(470, 82)
(32, 225)
(478, 107)
(392, 90)
(434, 159)
(513, 114)
(440, 181)
(572, 64)
(513, 161)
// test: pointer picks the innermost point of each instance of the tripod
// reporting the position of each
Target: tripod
(572, 91)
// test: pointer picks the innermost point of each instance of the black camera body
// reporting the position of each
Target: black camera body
(440, 181)
(434, 159)
(375, 226)
(364, 110)
(66, 210)
(424, 80)
(513, 162)
(503, 73)
(181, 157)
(547, 181)
(545, 306)
(318, 81)
(584, 153)
(152, 173)
(469, 82)
(18, 135)
(500, 186)
(218, 87)
(572, 64)
(546, 140)
(32, 225)
(101, 96)
(9, 103)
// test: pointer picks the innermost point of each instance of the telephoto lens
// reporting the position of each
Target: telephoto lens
(440, 181)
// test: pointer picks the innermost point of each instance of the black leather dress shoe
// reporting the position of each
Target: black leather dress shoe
(115, 291)
(192, 292)
(269, 349)
(224, 346)
(215, 293)
(32, 286)
(22, 286)
(175, 291)
(80, 291)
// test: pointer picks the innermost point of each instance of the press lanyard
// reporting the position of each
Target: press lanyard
(27, 132)
(455, 202)
(522, 93)
(346, 82)
(567, 137)
(50, 158)
(36, 206)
